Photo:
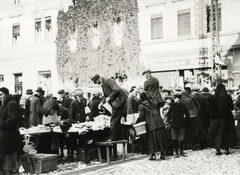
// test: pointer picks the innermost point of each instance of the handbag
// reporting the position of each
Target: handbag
(140, 128)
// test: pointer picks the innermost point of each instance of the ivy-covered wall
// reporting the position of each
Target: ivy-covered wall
(109, 58)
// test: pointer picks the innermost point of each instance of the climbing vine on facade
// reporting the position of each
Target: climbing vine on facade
(114, 24)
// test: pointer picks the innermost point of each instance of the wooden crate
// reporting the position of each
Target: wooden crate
(44, 162)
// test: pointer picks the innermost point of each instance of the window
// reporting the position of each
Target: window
(208, 9)
(117, 31)
(16, 34)
(45, 81)
(95, 40)
(184, 22)
(156, 27)
(16, 1)
(48, 28)
(18, 83)
(38, 30)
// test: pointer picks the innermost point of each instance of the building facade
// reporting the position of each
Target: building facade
(28, 30)
(170, 43)
(169, 32)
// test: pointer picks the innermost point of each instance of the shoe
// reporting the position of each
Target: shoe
(152, 158)
(193, 148)
(218, 153)
(61, 155)
(183, 154)
(162, 157)
(227, 152)
(176, 155)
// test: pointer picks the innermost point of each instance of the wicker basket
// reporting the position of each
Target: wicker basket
(236, 115)
(44, 162)
(140, 128)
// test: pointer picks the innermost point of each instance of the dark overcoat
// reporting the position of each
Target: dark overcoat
(117, 95)
(77, 110)
(132, 104)
(10, 115)
(205, 110)
(151, 86)
(35, 108)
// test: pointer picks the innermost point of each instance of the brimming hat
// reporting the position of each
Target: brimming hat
(4, 90)
(39, 89)
(61, 91)
(95, 77)
(147, 71)
(29, 92)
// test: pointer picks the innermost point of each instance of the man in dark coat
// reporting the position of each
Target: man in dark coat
(204, 112)
(117, 97)
(77, 108)
(66, 101)
(93, 105)
(132, 101)
(151, 86)
(36, 104)
(178, 114)
(10, 115)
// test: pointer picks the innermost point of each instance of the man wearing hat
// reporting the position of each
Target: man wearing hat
(117, 98)
(66, 101)
(151, 86)
(77, 108)
(36, 104)
(29, 96)
(204, 112)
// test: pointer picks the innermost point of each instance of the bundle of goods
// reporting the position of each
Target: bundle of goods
(101, 122)
(35, 129)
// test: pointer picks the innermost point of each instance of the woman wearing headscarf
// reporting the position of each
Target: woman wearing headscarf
(156, 134)
(9, 134)
(222, 133)
(195, 125)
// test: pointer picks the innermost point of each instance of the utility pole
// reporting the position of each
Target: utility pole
(215, 44)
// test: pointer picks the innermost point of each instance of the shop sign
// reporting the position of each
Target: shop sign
(173, 64)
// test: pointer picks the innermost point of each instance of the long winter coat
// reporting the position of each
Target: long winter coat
(132, 104)
(117, 95)
(205, 110)
(151, 86)
(10, 115)
(77, 110)
(152, 123)
(35, 107)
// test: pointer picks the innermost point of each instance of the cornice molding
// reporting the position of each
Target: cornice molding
(159, 2)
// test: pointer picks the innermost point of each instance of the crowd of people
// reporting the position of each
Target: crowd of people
(179, 118)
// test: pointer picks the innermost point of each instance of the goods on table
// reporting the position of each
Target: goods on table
(35, 129)
(101, 122)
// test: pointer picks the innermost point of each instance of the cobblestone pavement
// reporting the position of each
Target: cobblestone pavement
(203, 162)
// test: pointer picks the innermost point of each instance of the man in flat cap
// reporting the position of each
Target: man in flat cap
(204, 112)
(151, 86)
(117, 97)
(66, 101)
